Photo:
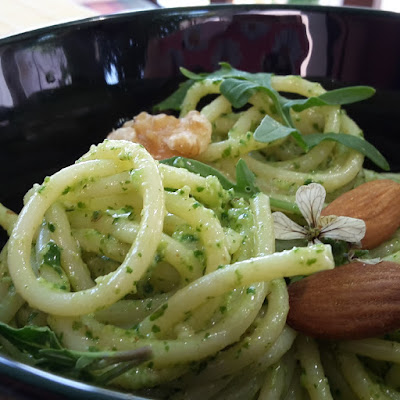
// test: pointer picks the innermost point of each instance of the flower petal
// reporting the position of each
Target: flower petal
(287, 229)
(342, 228)
(369, 260)
(310, 199)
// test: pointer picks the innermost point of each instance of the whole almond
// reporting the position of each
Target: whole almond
(377, 203)
(353, 301)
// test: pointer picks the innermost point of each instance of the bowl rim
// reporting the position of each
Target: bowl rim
(57, 384)
(198, 10)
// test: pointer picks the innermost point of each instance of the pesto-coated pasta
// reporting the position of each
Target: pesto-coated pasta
(166, 280)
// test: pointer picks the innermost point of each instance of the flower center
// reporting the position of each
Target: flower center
(312, 233)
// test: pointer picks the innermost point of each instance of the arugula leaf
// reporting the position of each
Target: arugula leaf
(245, 179)
(192, 75)
(342, 96)
(303, 104)
(31, 339)
(347, 95)
(198, 167)
(174, 101)
(340, 251)
(81, 363)
(238, 86)
(238, 90)
(353, 142)
(270, 130)
(244, 186)
(44, 349)
(225, 71)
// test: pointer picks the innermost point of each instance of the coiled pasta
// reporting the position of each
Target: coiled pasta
(279, 166)
(119, 252)
(145, 260)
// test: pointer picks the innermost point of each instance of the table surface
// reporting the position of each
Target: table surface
(18, 16)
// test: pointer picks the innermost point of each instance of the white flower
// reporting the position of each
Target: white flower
(310, 200)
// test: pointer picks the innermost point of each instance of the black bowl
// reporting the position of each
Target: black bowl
(63, 88)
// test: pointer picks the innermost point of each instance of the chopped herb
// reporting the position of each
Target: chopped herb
(76, 325)
(198, 253)
(159, 313)
(96, 215)
(52, 256)
(239, 276)
(66, 190)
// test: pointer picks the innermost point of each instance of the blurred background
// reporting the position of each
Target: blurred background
(17, 16)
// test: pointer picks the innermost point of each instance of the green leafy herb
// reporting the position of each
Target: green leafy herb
(270, 130)
(174, 101)
(226, 71)
(353, 142)
(340, 250)
(245, 178)
(198, 167)
(245, 185)
(30, 339)
(347, 95)
(238, 86)
(40, 346)
(239, 90)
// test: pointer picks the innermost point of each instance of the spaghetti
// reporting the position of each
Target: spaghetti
(119, 252)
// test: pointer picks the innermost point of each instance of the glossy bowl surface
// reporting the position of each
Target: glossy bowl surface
(63, 88)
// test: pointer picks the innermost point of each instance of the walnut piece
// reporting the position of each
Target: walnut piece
(166, 136)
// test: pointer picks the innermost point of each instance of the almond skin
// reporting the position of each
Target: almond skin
(353, 301)
(377, 203)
